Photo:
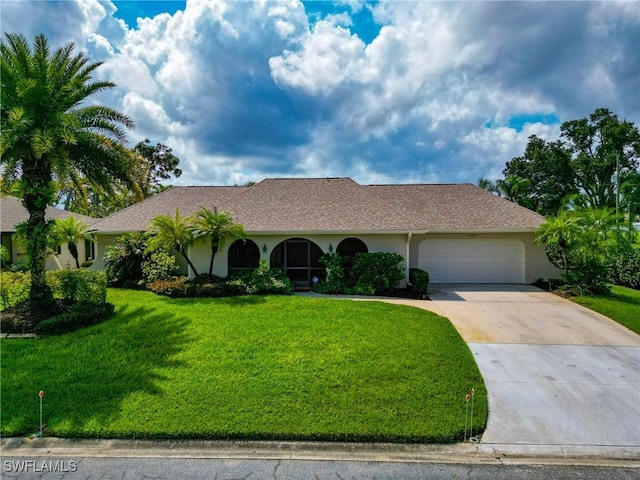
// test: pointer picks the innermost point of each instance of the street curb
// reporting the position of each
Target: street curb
(459, 453)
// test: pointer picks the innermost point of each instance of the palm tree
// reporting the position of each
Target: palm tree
(561, 232)
(172, 233)
(216, 226)
(46, 134)
(70, 231)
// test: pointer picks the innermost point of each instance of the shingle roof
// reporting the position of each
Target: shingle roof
(457, 207)
(187, 199)
(336, 205)
(12, 212)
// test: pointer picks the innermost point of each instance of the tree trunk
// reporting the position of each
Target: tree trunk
(37, 232)
(73, 250)
(184, 254)
(38, 193)
(214, 250)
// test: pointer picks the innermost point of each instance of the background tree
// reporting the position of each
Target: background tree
(70, 231)
(172, 233)
(216, 226)
(545, 176)
(577, 168)
(46, 132)
(148, 166)
(596, 144)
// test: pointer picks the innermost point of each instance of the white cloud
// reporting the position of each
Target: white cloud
(243, 90)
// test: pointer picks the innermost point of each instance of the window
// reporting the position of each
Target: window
(243, 256)
(350, 246)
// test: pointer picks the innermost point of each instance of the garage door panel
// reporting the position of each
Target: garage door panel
(473, 260)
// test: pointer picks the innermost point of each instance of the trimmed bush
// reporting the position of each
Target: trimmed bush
(264, 280)
(68, 285)
(160, 265)
(419, 280)
(380, 272)
(82, 286)
(80, 315)
(14, 288)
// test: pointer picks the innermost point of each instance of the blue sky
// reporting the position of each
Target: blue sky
(384, 92)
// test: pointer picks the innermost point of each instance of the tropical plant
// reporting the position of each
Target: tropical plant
(172, 233)
(123, 260)
(216, 227)
(587, 241)
(559, 232)
(70, 231)
(46, 134)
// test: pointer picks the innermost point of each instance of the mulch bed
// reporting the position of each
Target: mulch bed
(23, 318)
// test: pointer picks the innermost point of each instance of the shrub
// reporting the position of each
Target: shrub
(20, 267)
(260, 281)
(419, 280)
(81, 314)
(380, 272)
(337, 280)
(264, 280)
(14, 288)
(82, 286)
(160, 265)
(625, 269)
(123, 260)
(174, 287)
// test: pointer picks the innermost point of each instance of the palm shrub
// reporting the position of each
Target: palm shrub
(70, 231)
(172, 233)
(216, 227)
(584, 243)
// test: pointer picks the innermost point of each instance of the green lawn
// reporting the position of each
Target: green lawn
(622, 305)
(246, 368)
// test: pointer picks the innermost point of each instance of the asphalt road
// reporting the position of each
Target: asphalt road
(220, 469)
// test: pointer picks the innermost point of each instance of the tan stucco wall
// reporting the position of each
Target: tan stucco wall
(54, 262)
(200, 253)
(536, 263)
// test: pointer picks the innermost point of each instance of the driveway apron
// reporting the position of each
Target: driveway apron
(556, 373)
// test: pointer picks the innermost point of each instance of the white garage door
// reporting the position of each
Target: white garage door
(473, 260)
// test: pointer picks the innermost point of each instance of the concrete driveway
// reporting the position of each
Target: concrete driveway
(556, 373)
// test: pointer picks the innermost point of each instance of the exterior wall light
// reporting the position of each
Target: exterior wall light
(330, 248)
(264, 248)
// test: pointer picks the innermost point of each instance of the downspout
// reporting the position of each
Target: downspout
(406, 261)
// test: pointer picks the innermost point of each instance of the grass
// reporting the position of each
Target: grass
(246, 368)
(622, 305)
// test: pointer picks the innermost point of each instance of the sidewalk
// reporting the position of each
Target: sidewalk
(459, 453)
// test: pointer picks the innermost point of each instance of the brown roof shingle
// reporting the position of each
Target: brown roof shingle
(336, 205)
(187, 199)
(451, 207)
(12, 212)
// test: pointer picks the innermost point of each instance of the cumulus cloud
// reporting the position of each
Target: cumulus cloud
(244, 90)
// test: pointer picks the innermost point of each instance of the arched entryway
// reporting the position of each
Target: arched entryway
(299, 258)
(243, 256)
